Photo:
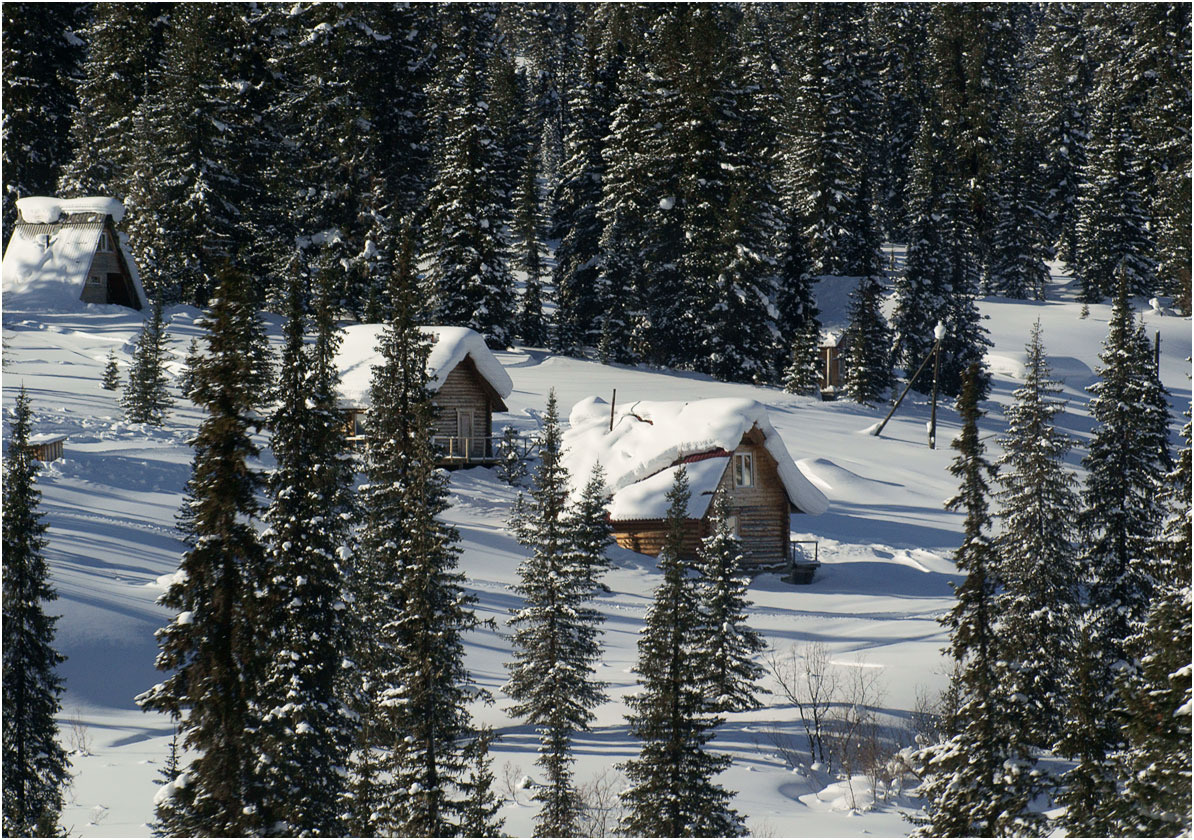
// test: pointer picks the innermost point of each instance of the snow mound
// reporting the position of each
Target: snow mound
(1003, 365)
(358, 356)
(649, 437)
(841, 483)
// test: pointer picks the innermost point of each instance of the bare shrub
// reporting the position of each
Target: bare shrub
(514, 782)
(79, 736)
(859, 742)
(808, 681)
(601, 809)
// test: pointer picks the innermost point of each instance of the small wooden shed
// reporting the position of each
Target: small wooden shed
(726, 446)
(470, 384)
(46, 447)
(69, 250)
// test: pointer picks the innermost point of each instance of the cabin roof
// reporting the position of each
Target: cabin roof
(650, 438)
(358, 356)
(51, 249)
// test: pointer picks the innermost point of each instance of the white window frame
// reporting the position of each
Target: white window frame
(105, 242)
(744, 469)
(93, 280)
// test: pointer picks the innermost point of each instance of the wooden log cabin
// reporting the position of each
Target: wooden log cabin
(833, 346)
(469, 382)
(726, 446)
(69, 250)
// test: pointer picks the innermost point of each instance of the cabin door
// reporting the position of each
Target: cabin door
(465, 432)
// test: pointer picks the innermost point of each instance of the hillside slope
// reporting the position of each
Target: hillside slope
(885, 542)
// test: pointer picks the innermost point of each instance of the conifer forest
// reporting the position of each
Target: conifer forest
(267, 573)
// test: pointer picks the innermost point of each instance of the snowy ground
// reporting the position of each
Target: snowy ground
(885, 543)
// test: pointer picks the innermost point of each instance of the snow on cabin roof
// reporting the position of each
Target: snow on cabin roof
(46, 210)
(358, 356)
(46, 271)
(649, 437)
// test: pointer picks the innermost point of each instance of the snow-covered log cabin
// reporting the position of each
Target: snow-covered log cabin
(726, 446)
(66, 251)
(469, 382)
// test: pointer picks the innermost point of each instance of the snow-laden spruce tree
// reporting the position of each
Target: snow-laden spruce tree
(1039, 603)
(411, 597)
(589, 532)
(479, 810)
(726, 645)
(868, 345)
(307, 729)
(1155, 767)
(981, 781)
(466, 214)
(146, 397)
(1120, 517)
(1018, 249)
(671, 790)
(530, 250)
(35, 765)
(212, 647)
(556, 633)
(797, 346)
(110, 381)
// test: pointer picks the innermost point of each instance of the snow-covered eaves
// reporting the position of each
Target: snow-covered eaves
(46, 210)
(649, 438)
(358, 356)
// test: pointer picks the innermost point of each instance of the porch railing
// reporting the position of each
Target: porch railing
(802, 566)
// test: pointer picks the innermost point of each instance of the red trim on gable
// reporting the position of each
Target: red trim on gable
(704, 456)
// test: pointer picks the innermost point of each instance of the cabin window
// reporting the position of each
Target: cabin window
(105, 242)
(93, 280)
(744, 470)
(732, 522)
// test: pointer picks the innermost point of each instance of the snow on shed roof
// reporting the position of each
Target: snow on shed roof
(46, 210)
(46, 271)
(649, 437)
(358, 355)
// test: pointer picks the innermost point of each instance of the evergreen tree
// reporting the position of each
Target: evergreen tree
(124, 46)
(192, 178)
(1120, 517)
(1018, 249)
(467, 271)
(212, 646)
(531, 250)
(186, 379)
(589, 532)
(868, 344)
(980, 781)
(479, 814)
(578, 196)
(413, 598)
(111, 378)
(1112, 228)
(555, 634)
(167, 777)
(1037, 608)
(1058, 98)
(834, 109)
(146, 398)
(1155, 767)
(727, 645)
(803, 373)
(41, 59)
(35, 765)
(307, 729)
(671, 790)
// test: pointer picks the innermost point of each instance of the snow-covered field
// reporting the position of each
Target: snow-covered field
(885, 543)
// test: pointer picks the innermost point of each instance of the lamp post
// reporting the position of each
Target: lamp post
(938, 333)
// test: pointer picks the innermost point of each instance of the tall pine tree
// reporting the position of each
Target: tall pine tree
(555, 633)
(35, 765)
(981, 781)
(671, 790)
(146, 397)
(212, 647)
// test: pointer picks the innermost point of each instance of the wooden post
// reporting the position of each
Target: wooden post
(1157, 354)
(907, 388)
(612, 402)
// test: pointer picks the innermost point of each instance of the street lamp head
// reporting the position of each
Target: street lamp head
(939, 331)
